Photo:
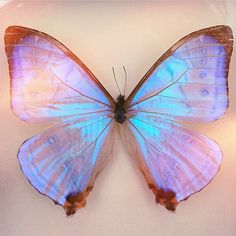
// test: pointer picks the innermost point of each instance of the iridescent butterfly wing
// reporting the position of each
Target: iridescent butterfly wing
(188, 83)
(50, 84)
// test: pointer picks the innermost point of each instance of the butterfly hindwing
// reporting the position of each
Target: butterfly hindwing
(47, 80)
(189, 82)
(175, 160)
(63, 161)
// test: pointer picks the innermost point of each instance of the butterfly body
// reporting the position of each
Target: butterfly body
(120, 111)
(188, 83)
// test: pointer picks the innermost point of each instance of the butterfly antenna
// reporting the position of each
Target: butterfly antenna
(125, 79)
(113, 70)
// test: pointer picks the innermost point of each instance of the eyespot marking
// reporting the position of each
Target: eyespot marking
(34, 52)
(202, 75)
(51, 140)
(204, 92)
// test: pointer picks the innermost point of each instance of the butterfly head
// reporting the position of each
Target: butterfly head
(120, 112)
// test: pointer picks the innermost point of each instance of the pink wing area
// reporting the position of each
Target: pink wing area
(63, 161)
(48, 82)
(190, 81)
(176, 161)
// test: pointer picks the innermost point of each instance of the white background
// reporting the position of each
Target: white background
(102, 35)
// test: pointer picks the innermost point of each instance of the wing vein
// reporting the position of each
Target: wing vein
(176, 81)
(77, 90)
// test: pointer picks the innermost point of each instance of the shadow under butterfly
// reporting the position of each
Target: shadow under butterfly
(50, 84)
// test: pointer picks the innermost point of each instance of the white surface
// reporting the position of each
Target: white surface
(105, 35)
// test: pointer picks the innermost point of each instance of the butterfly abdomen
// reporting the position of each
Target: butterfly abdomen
(120, 112)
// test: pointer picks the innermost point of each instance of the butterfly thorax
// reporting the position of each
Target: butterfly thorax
(120, 112)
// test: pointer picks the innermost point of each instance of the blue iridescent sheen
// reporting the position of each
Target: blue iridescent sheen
(191, 84)
(165, 74)
(59, 168)
(178, 159)
(50, 84)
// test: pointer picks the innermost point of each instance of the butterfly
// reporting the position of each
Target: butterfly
(50, 84)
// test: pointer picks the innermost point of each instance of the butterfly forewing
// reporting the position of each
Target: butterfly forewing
(48, 82)
(189, 82)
